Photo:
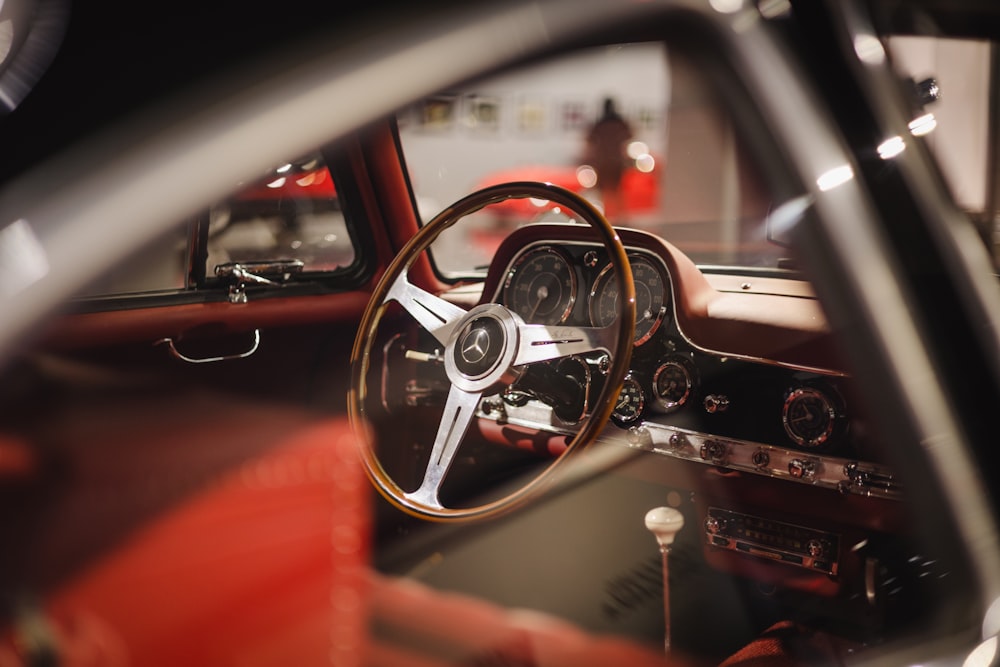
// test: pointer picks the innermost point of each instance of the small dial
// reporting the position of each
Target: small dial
(630, 402)
(673, 383)
(809, 416)
(651, 297)
(541, 286)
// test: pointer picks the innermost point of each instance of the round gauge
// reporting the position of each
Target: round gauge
(541, 286)
(673, 383)
(809, 416)
(650, 297)
(630, 402)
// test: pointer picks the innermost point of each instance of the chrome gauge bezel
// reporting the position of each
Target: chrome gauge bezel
(636, 404)
(689, 374)
(516, 272)
(817, 404)
(603, 288)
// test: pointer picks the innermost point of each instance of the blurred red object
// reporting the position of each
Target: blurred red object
(640, 190)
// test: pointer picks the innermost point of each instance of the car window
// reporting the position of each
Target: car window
(951, 79)
(681, 172)
(630, 126)
(160, 267)
(291, 214)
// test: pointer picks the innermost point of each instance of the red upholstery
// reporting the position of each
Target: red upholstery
(788, 644)
(185, 529)
(266, 565)
(189, 529)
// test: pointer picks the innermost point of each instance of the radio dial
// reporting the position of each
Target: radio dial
(714, 525)
(815, 548)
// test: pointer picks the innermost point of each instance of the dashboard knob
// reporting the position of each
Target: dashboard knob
(815, 548)
(713, 451)
(802, 469)
(716, 403)
(676, 441)
(760, 458)
(490, 407)
(604, 364)
(714, 524)
(638, 436)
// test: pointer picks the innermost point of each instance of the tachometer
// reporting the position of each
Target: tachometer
(541, 286)
(651, 299)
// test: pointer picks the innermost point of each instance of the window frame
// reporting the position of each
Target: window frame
(200, 286)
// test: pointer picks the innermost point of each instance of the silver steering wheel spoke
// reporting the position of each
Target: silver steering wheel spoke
(433, 313)
(459, 411)
(537, 342)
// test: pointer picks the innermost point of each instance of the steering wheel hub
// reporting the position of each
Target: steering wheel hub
(479, 347)
(481, 352)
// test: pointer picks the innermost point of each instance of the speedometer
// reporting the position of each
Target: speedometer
(541, 286)
(651, 298)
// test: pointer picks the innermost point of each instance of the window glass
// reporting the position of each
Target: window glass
(160, 267)
(951, 80)
(675, 166)
(953, 75)
(290, 213)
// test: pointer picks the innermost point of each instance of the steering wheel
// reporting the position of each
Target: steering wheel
(485, 349)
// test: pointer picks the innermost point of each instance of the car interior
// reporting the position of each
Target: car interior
(424, 395)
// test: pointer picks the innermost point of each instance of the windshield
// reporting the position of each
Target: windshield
(629, 126)
(636, 130)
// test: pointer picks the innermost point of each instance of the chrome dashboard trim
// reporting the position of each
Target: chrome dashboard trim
(844, 475)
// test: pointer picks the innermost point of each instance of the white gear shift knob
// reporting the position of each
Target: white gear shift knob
(664, 523)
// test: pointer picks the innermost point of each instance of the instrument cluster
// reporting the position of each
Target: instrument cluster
(673, 383)
(568, 284)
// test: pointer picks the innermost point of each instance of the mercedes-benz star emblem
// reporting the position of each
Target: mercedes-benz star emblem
(475, 345)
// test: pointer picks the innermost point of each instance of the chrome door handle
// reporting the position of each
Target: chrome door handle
(204, 360)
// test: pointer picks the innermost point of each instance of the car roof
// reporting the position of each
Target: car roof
(116, 58)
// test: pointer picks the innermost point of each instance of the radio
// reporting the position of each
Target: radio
(776, 541)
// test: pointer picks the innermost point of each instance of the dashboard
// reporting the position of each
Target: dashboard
(730, 407)
(736, 406)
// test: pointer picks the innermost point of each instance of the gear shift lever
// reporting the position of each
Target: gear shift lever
(664, 523)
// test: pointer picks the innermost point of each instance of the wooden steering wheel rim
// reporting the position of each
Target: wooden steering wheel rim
(602, 407)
